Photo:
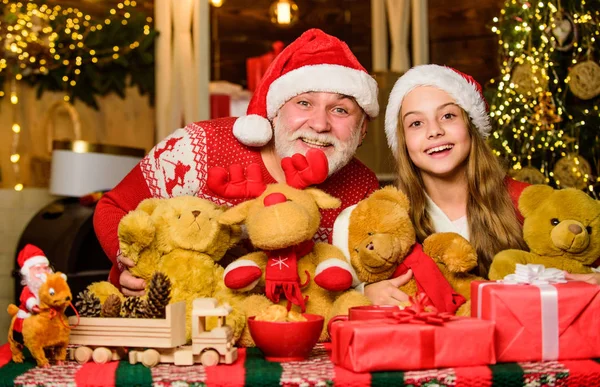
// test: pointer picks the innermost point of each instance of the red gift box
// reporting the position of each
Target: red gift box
(386, 345)
(540, 322)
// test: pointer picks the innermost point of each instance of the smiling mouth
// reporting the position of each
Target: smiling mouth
(438, 149)
(315, 143)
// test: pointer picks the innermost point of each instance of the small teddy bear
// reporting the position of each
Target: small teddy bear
(561, 229)
(379, 240)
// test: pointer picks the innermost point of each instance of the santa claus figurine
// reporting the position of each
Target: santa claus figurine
(34, 268)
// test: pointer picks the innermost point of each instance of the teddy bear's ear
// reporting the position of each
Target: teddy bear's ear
(392, 194)
(532, 196)
(236, 214)
(148, 205)
(323, 199)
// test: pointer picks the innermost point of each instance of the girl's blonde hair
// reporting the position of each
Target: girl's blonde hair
(492, 218)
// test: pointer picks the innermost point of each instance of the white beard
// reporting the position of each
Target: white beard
(34, 284)
(342, 152)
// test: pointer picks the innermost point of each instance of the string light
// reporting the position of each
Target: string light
(531, 114)
(29, 45)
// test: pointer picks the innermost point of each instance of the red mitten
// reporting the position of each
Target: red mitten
(334, 279)
(301, 172)
(241, 277)
(236, 183)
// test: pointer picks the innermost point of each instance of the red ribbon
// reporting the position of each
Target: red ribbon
(53, 312)
(421, 311)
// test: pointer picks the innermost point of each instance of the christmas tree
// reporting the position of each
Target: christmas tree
(545, 104)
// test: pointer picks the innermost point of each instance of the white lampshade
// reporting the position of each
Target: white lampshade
(80, 167)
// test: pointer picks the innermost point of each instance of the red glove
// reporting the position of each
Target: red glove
(241, 274)
(235, 183)
(301, 172)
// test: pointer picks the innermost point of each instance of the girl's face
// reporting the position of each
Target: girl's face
(437, 137)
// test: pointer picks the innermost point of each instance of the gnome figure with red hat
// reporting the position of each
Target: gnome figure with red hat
(314, 95)
(34, 267)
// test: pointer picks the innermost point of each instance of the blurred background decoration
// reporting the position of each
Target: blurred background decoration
(545, 102)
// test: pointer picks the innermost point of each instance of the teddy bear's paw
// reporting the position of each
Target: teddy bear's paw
(334, 275)
(246, 339)
(18, 357)
(465, 309)
(459, 256)
(242, 275)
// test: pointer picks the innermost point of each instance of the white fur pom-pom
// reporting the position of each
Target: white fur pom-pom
(253, 130)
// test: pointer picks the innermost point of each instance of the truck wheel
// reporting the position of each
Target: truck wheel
(209, 358)
(150, 358)
(102, 355)
(83, 354)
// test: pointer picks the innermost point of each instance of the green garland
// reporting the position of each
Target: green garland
(74, 53)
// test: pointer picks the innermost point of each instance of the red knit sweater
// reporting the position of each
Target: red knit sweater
(178, 166)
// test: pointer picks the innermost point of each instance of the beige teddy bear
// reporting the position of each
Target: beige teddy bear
(183, 238)
(561, 228)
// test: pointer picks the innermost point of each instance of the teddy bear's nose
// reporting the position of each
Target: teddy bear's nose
(575, 229)
(196, 213)
(274, 198)
(370, 246)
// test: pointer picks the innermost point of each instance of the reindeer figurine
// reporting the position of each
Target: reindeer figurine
(47, 329)
(281, 221)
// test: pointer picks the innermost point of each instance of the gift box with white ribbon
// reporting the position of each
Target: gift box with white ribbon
(539, 316)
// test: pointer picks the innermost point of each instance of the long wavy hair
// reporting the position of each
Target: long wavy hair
(492, 218)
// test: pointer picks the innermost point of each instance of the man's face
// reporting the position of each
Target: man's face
(331, 122)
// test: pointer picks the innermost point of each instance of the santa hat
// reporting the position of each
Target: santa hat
(29, 257)
(314, 62)
(465, 90)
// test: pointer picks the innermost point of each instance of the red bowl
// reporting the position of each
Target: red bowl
(286, 341)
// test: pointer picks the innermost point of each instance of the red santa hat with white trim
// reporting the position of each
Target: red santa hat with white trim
(465, 90)
(315, 62)
(29, 257)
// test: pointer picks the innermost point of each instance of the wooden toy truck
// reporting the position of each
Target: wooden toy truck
(153, 341)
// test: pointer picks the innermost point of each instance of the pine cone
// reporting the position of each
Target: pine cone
(88, 305)
(112, 306)
(133, 307)
(159, 295)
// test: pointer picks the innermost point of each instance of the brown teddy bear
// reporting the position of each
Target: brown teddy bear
(561, 229)
(379, 239)
(282, 222)
(183, 238)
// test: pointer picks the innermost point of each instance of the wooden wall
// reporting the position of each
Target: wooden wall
(460, 36)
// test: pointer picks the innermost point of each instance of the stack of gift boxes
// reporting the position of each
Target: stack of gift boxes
(529, 317)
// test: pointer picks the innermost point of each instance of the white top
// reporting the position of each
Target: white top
(441, 222)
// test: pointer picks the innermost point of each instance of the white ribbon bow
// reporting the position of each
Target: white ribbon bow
(535, 275)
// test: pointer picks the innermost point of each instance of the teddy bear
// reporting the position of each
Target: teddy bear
(378, 238)
(182, 238)
(561, 227)
(47, 330)
(285, 269)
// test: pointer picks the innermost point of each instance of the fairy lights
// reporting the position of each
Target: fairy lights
(36, 39)
(538, 119)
